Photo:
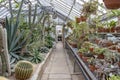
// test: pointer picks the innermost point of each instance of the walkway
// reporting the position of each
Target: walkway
(60, 67)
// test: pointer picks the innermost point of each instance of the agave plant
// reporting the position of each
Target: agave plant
(36, 57)
(15, 38)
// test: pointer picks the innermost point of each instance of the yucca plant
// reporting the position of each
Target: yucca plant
(15, 38)
(23, 70)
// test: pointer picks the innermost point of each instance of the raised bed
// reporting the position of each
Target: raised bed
(38, 68)
(82, 66)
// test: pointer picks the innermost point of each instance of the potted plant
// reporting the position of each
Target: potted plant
(83, 18)
(81, 52)
(69, 24)
(92, 63)
(90, 8)
(112, 4)
(113, 77)
(78, 19)
(100, 52)
(112, 26)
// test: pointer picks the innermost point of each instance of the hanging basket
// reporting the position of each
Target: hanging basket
(112, 4)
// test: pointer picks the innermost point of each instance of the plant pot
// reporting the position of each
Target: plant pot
(117, 29)
(92, 68)
(107, 30)
(112, 29)
(73, 44)
(97, 41)
(112, 4)
(78, 20)
(100, 29)
(85, 59)
(91, 49)
(80, 54)
(100, 56)
(83, 18)
(118, 49)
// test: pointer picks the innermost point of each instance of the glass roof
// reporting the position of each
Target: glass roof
(63, 7)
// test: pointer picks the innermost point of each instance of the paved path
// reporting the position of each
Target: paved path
(59, 67)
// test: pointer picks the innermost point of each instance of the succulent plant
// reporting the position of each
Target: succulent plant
(4, 53)
(23, 70)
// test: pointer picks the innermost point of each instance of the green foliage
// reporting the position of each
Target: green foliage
(36, 56)
(49, 41)
(90, 8)
(113, 77)
(16, 41)
(44, 50)
(2, 1)
(112, 23)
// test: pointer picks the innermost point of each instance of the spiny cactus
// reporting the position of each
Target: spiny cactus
(4, 56)
(3, 78)
(23, 70)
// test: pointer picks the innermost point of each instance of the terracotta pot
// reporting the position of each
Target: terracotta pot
(97, 41)
(85, 59)
(118, 49)
(91, 49)
(112, 4)
(80, 54)
(112, 29)
(73, 44)
(83, 18)
(113, 47)
(107, 30)
(92, 68)
(100, 56)
(117, 29)
(78, 20)
(101, 29)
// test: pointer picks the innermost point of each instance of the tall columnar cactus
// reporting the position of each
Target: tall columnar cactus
(4, 56)
(23, 70)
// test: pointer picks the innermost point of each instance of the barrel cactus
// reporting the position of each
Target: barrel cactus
(23, 70)
(3, 78)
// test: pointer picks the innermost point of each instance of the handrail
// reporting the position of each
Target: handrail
(86, 72)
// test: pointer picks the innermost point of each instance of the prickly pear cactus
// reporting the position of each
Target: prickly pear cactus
(23, 70)
(4, 56)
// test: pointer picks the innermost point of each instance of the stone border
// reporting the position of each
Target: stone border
(41, 67)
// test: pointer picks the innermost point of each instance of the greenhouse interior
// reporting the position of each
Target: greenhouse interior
(60, 39)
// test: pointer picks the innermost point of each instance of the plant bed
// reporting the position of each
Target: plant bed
(37, 68)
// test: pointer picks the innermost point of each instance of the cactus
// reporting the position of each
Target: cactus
(23, 70)
(3, 78)
(4, 56)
